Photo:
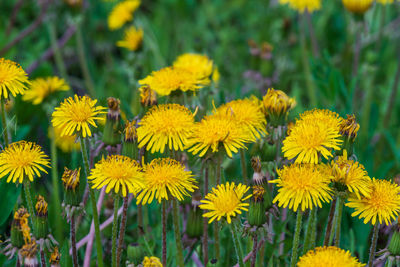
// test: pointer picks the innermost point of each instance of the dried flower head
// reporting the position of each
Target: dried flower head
(55, 257)
(148, 97)
(349, 127)
(258, 193)
(13, 79)
(22, 160)
(130, 131)
(41, 206)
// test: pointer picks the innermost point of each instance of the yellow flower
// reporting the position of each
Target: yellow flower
(168, 124)
(40, 88)
(302, 185)
(217, 131)
(385, 2)
(132, 39)
(21, 160)
(276, 103)
(122, 13)
(13, 79)
(74, 115)
(315, 133)
(117, 172)
(247, 112)
(349, 127)
(383, 203)
(198, 64)
(351, 174)
(357, 6)
(151, 262)
(328, 257)
(303, 5)
(169, 79)
(227, 200)
(164, 178)
(66, 143)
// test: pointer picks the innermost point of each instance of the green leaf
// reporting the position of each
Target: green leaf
(9, 194)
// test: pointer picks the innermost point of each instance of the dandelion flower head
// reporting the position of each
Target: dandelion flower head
(13, 79)
(198, 64)
(117, 172)
(358, 6)
(169, 79)
(217, 131)
(122, 13)
(351, 174)
(132, 39)
(165, 178)
(382, 204)
(277, 103)
(167, 124)
(315, 133)
(41, 88)
(75, 115)
(151, 262)
(247, 112)
(328, 257)
(302, 185)
(303, 5)
(22, 160)
(226, 200)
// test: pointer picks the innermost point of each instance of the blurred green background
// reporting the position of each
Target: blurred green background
(222, 29)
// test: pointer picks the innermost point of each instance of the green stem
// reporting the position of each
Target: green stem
(243, 165)
(308, 235)
(389, 262)
(374, 241)
(94, 206)
(73, 242)
(330, 223)
(296, 239)
(140, 219)
(306, 66)
(205, 220)
(58, 58)
(339, 213)
(164, 232)
(4, 122)
(55, 181)
(122, 230)
(178, 241)
(236, 242)
(114, 231)
(82, 60)
(28, 198)
(218, 170)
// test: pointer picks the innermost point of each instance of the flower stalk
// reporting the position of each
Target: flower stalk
(73, 241)
(4, 122)
(122, 229)
(205, 221)
(374, 241)
(339, 207)
(236, 242)
(179, 247)
(330, 223)
(243, 165)
(296, 239)
(28, 198)
(94, 206)
(115, 231)
(309, 231)
(164, 232)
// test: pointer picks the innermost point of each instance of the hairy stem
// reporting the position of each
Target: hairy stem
(73, 242)
(122, 229)
(164, 232)
(243, 165)
(28, 198)
(205, 221)
(42, 258)
(55, 181)
(94, 206)
(330, 223)
(218, 170)
(115, 231)
(178, 240)
(308, 235)
(236, 242)
(296, 239)
(254, 252)
(374, 241)
(4, 122)
(339, 205)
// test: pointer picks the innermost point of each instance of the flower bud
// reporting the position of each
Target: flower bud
(194, 224)
(70, 179)
(148, 97)
(134, 253)
(112, 128)
(276, 105)
(394, 245)
(41, 229)
(129, 145)
(256, 214)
